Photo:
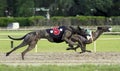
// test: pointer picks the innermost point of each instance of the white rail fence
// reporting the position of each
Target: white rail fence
(104, 39)
(94, 43)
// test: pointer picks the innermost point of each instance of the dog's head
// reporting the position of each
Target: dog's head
(105, 28)
(81, 30)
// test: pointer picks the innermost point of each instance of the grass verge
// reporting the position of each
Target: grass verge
(61, 68)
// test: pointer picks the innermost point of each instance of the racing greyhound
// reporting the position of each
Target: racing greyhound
(56, 35)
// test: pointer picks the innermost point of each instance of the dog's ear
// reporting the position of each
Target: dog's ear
(72, 27)
(79, 27)
(99, 28)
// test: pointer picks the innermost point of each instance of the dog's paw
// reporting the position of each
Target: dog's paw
(71, 48)
(68, 48)
(7, 54)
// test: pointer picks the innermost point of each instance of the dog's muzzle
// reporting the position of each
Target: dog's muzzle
(110, 29)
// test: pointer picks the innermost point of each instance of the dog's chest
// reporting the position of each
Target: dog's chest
(56, 33)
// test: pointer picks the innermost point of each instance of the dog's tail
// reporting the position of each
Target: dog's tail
(16, 38)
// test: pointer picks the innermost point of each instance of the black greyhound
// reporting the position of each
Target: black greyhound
(57, 35)
(82, 40)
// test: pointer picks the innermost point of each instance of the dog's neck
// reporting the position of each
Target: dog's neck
(42, 34)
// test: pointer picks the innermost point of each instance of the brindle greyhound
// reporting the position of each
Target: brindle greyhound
(82, 40)
(32, 38)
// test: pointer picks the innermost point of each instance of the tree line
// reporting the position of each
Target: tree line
(27, 8)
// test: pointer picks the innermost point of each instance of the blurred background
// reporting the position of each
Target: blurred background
(60, 12)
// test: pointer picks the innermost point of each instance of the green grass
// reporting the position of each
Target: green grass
(46, 46)
(116, 28)
(61, 68)
(106, 45)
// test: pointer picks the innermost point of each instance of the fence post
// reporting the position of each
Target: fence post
(94, 46)
(11, 43)
(36, 48)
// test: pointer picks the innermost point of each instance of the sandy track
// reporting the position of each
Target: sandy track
(61, 58)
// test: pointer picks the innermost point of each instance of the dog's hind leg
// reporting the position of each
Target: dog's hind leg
(66, 37)
(19, 46)
(80, 44)
(30, 47)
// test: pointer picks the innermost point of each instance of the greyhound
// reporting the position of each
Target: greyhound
(56, 35)
(83, 41)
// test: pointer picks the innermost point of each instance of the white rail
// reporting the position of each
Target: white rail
(6, 39)
(95, 46)
(109, 39)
